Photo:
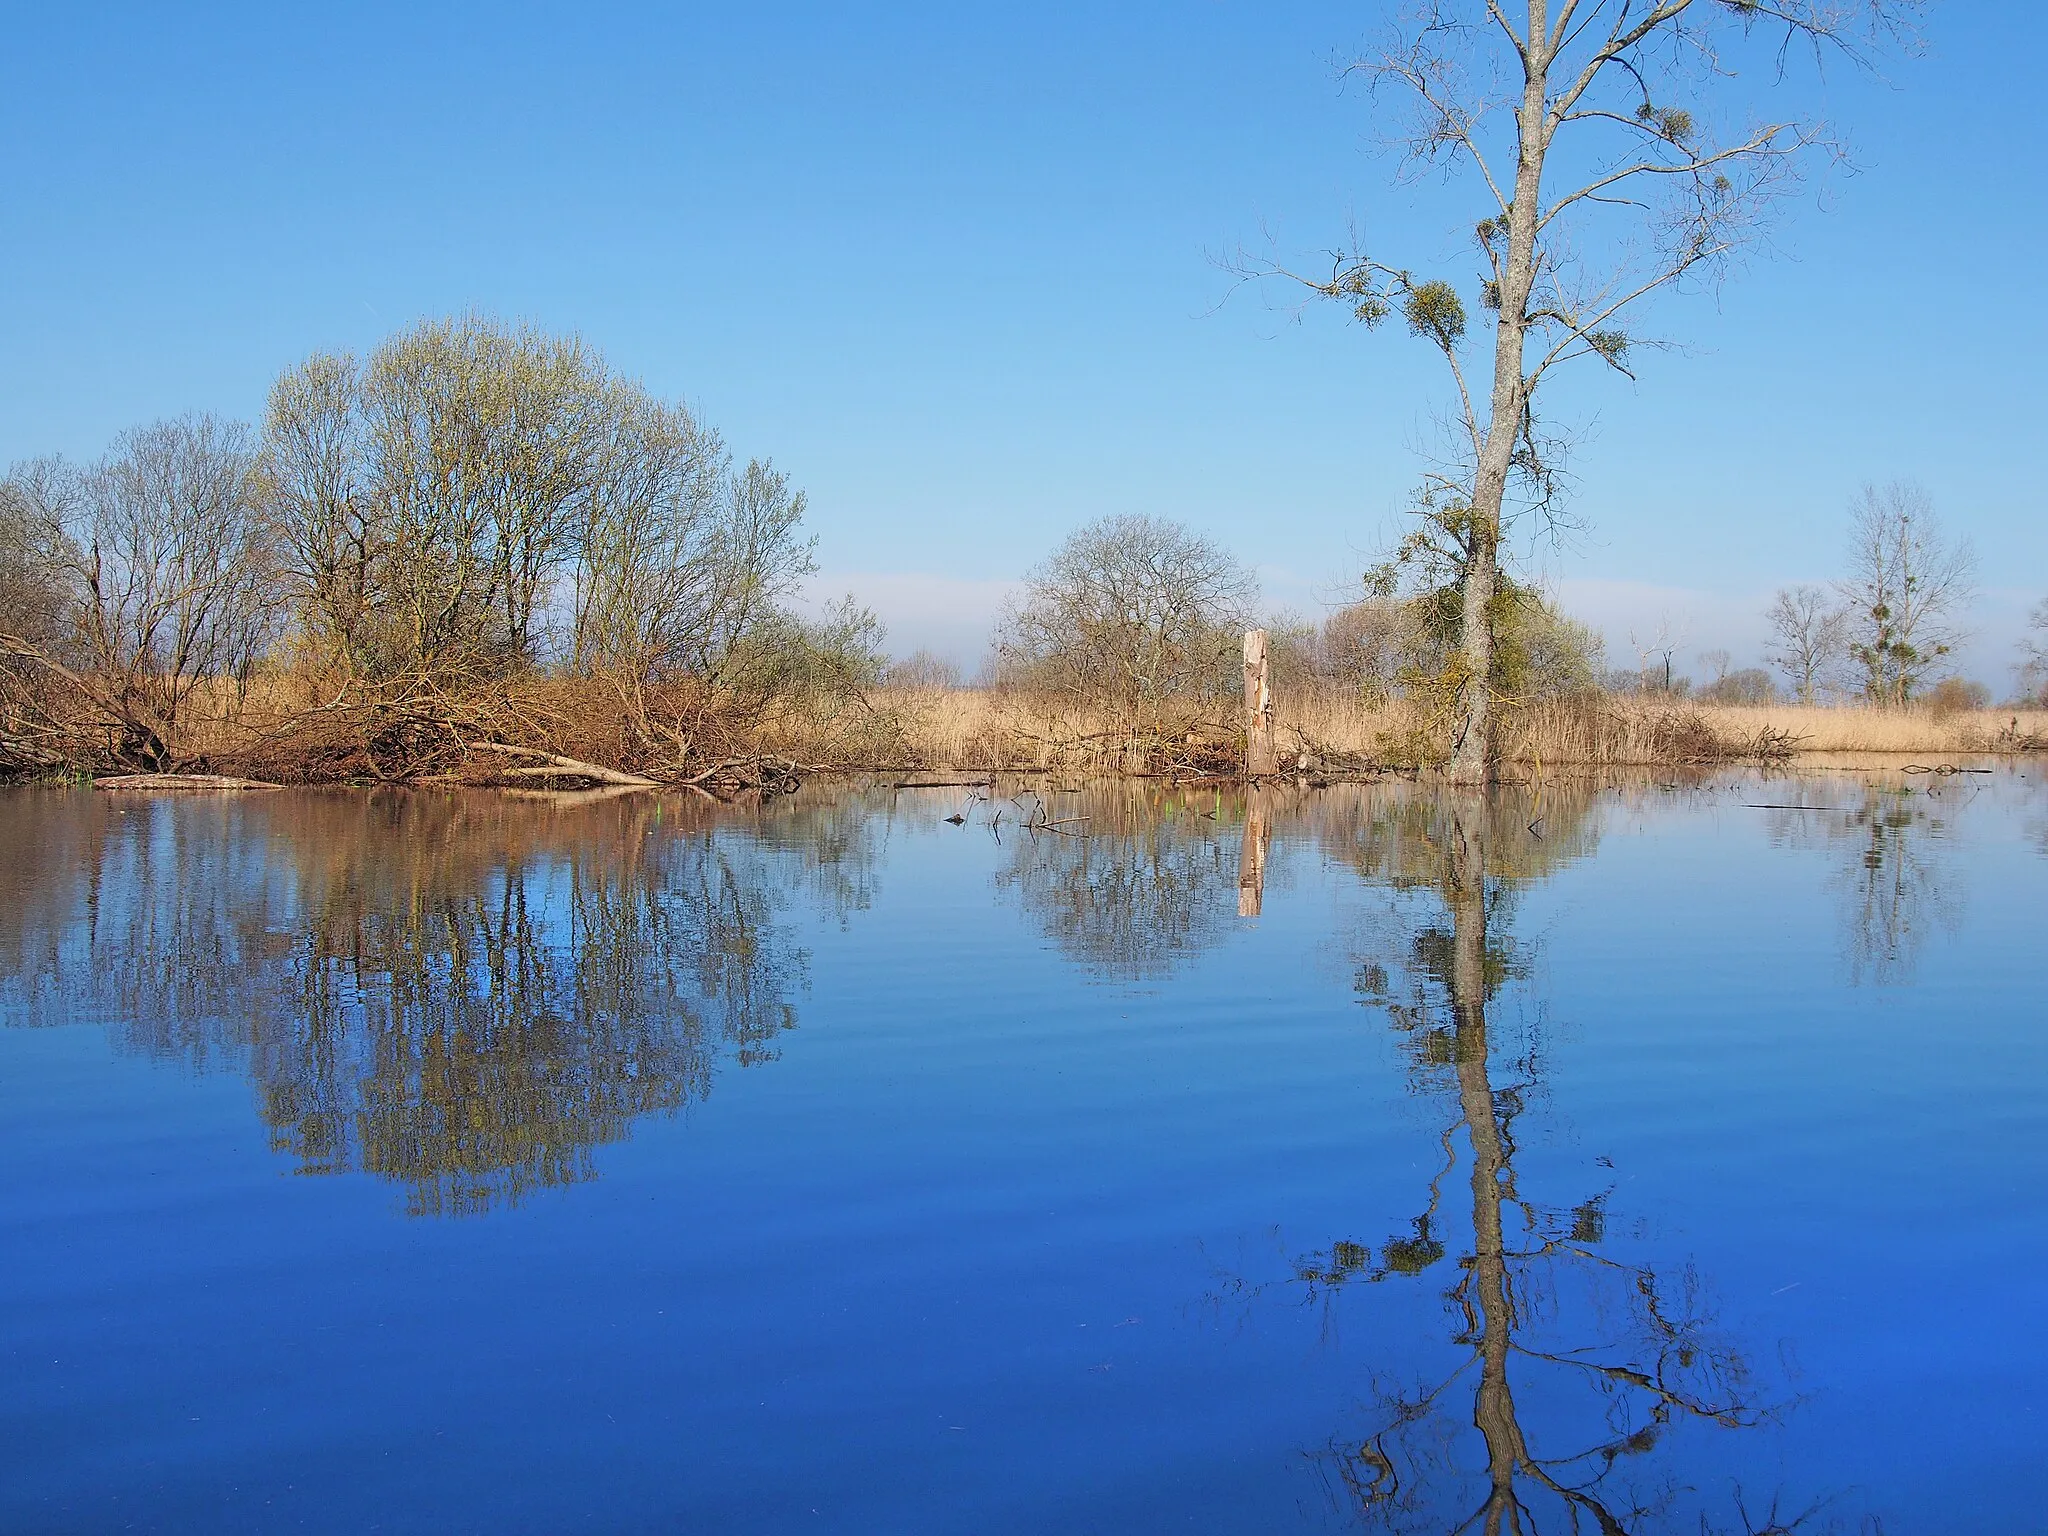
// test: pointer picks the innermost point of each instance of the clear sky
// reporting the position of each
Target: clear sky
(951, 267)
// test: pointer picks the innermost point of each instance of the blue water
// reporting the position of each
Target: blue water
(388, 1162)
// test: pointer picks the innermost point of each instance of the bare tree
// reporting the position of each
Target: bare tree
(683, 564)
(1365, 645)
(1907, 580)
(1606, 96)
(37, 611)
(332, 529)
(652, 532)
(1809, 637)
(1653, 657)
(1133, 615)
(167, 576)
(2033, 667)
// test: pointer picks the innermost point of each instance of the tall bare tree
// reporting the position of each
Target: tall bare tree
(1600, 179)
(1908, 580)
(1809, 637)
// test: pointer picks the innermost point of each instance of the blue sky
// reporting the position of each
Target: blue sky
(951, 267)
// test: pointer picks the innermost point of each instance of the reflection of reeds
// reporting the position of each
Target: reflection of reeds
(984, 728)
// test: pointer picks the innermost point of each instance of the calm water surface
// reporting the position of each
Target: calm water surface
(1592, 1158)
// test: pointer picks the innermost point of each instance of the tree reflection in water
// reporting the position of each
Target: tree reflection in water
(466, 995)
(1574, 1376)
(1892, 885)
(1147, 885)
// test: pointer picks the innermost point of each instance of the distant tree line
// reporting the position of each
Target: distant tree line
(1140, 620)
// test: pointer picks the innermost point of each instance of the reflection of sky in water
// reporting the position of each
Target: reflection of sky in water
(1169, 1212)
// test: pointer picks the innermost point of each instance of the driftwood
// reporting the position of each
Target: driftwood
(217, 782)
(550, 765)
(758, 771)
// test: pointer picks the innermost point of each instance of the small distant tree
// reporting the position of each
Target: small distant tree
(1956, 696)
(1809, 637)
(1138, 616)
(1744, 685)
(1654, 655)
(923, 669)
(1907, 582)
(2033, 667)
(1364, 646)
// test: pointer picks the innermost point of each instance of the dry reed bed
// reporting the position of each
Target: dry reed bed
(981, 728)
(281, 733)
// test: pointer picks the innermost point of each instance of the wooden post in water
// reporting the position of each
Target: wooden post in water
(1261, 761)
(1251, 856)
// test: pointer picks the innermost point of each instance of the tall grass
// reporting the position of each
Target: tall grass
(981, 728)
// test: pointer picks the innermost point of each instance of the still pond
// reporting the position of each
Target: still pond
(1596, 1156)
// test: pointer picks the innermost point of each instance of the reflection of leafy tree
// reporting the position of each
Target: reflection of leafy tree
(465, 995)
(1577, 1371)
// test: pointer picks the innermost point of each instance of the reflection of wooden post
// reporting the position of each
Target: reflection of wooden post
(1260, 760)
(1251, 857)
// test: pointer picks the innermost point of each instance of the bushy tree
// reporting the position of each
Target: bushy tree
(1136, 616)
(476, 500)
(1744, 685)
(431, 496)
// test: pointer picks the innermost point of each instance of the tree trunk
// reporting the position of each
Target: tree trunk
(1494, 1405)
(1472, 759)
(1261, 759)
(1251, 856)
(1472, 756)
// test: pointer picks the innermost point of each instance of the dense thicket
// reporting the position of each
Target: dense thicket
(478, 530)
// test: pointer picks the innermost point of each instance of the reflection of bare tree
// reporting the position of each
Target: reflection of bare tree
(1574, 1375)
(464, 995)
(1892, 885)
(1148, 882)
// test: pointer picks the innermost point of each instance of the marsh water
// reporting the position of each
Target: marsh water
(1597, 1156)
